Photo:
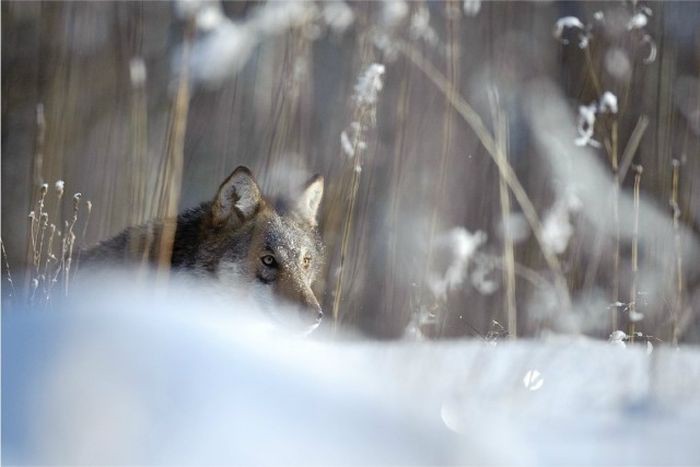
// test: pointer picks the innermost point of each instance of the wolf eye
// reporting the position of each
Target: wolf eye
(306, 262)
(269, 261)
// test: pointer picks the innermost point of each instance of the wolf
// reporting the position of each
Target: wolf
(240, 239)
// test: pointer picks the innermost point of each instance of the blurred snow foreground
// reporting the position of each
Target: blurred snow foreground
(129, 375)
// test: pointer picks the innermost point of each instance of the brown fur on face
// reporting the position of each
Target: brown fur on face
(244, 240)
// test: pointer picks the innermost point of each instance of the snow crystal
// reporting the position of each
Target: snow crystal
(599, 16)
(369, 84)
(608, 103)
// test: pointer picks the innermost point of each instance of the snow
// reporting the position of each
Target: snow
(369, 84)
(638, 21)
(586, 125)
(132, 378)
(571, 22)
(608, 103)
(137, 71)
(471, 7)
(455, 247)
(338, 16)
(59, 187)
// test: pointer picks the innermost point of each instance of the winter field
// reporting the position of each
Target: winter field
(510, 212)
(139, 379)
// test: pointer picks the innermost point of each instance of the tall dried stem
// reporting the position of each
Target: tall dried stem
(635, 254)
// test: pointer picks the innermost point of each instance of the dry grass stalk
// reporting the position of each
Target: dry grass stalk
(474, 121)
(678, 299)
(358, 150)
(69, 241)
(7, 269)
(139, 203)
(37, 164)
(500, 125)
(635, 255)
(174, 160)
(615, 163)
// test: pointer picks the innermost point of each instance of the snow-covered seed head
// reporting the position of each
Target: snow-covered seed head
(570, 23)
(638, 21)
(59, 186)
(369, 84)
(44, 189)
(607, 103)
(586, 125)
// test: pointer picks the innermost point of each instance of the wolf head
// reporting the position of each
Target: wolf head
(270, 247)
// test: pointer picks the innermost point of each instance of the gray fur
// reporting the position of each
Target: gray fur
(231, 247)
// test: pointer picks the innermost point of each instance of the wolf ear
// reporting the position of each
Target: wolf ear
(239, 195)
(310, 199)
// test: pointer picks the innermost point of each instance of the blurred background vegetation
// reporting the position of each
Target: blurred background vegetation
(144, 108)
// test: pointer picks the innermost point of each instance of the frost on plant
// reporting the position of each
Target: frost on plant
(568, 25)
(556, 227)
(480, 280)
(222, 46)
(638, 21)
(608, 103)
(453, 250)
(586, 125)
(345, 143)
(369, 84)
(618, 338)
(59, 186)
(651, 55)
(587, 118)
